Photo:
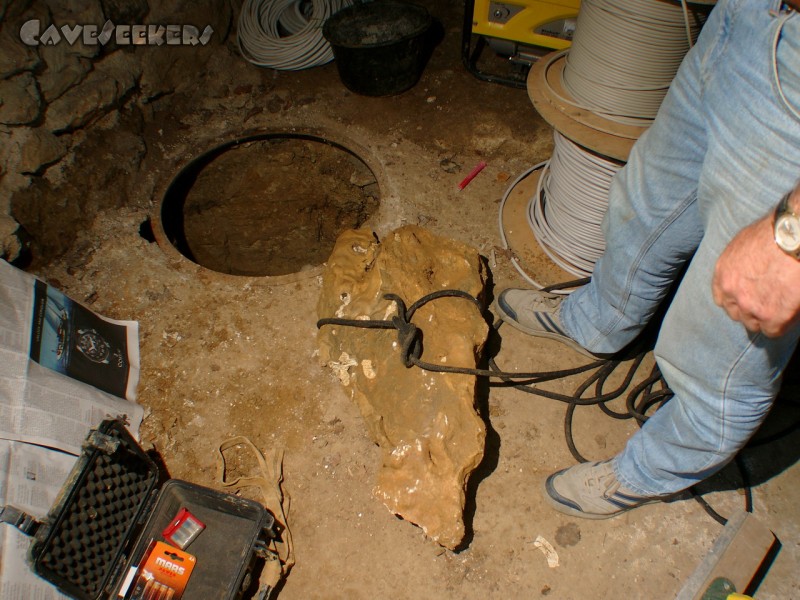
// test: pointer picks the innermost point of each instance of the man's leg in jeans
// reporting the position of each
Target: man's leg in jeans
(724, 378)
(652, 227)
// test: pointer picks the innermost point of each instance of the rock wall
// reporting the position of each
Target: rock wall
(425, 423)
(56, 96)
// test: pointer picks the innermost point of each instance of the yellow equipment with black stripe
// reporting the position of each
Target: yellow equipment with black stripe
(521, 30)
(530, 22)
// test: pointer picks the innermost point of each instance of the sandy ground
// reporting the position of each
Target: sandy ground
(226, 355)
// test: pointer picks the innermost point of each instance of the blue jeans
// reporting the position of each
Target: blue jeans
(724, 148)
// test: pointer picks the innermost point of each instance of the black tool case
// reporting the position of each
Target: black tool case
(112, 506)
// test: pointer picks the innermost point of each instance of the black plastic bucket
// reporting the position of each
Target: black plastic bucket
(380, 47)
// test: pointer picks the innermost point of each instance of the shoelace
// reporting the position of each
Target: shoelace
(611, 483)
(607, 482)
(540, 303)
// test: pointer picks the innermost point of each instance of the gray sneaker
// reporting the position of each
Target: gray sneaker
(591, 491)
(536, 313)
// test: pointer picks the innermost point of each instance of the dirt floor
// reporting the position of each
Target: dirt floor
(226, 355)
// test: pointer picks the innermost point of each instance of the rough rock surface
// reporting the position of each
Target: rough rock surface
(65, 88)
(20, 102)
(9, 243)
(38, 149)
(15, 57)
(425, 423)
(103, 90)
(65, 69)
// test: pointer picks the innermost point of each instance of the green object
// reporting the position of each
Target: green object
(719, 589)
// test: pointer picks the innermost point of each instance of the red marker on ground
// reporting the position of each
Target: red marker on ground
(478, 168)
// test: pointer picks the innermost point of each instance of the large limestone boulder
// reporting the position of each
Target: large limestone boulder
(426, 423)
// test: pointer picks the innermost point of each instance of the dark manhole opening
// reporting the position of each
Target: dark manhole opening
(269, 204)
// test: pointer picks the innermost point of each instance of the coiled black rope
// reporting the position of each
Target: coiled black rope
(643, 398)
(639, 400)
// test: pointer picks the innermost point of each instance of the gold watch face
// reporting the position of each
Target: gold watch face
(787, 232)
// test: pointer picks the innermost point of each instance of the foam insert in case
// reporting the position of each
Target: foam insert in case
(112, 506)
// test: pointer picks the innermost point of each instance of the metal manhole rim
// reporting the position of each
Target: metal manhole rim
(230, 141)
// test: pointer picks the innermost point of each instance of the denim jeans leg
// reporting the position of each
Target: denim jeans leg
(724, 378)
(652, 226)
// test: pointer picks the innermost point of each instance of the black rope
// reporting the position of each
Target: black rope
(641, 399)
(707, 507)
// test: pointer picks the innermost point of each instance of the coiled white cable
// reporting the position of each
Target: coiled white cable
(567, 211)
(295, 17)
(625, 54)
(260, 40)
(504, 239)
(776, 77)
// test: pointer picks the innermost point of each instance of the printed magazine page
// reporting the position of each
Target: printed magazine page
(63, 368)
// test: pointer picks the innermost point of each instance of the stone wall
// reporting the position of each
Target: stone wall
(57, 97)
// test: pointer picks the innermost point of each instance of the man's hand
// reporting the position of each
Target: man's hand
(757, 283)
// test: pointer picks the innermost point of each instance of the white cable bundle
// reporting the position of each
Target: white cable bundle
(625, 54)
(261, 43)
(566, 214)
(295, 17)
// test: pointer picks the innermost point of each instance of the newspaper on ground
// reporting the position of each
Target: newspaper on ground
(63, 370)
(30, 479)
(50, 349)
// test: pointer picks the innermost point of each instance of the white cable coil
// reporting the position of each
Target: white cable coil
(625, 54)
(260, 40)
(295, 17)
(504, 238)
(567, 211)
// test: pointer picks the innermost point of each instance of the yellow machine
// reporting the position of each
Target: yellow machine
(530, 22)
(522, 30)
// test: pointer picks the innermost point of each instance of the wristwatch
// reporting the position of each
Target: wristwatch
(786, 226)
(92, 345)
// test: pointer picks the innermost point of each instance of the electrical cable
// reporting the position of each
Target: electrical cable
(625, 54)
(641, 398)
(707, 507)
(261, 42)
(774, 60)
(295, 17)
(567, 211)
(504, 239)
(410, 344)
(689, 35)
